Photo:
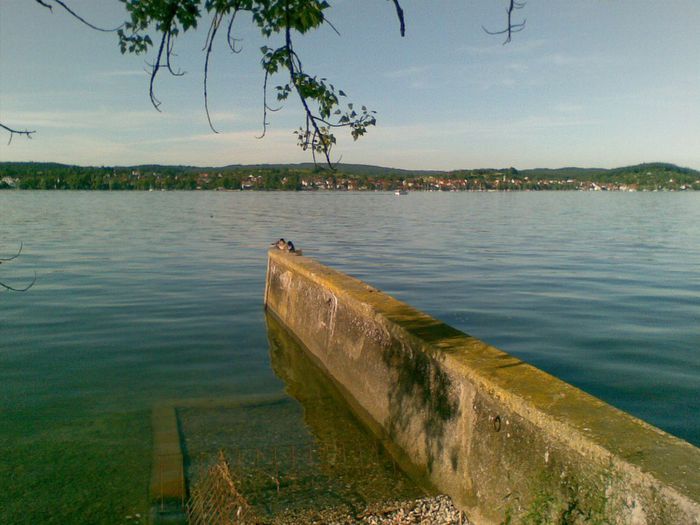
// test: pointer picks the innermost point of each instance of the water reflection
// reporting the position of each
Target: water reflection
(349, 454)
(296, 454)
(144, 297)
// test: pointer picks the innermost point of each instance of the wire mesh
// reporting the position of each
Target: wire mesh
(216, 500)
(253, 485)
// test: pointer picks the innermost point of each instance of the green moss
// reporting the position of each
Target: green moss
(83, 469)
(541, 510)
(582, 500)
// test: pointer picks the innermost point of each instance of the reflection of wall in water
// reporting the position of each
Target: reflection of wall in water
(346, 447)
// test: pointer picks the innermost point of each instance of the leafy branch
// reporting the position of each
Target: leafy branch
(283, 19)
(318, 97)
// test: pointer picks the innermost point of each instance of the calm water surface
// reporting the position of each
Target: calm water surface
(145, 297)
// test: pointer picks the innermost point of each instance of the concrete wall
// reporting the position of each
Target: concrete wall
(508, 442)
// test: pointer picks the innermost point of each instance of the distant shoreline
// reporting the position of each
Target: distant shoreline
(389, 191)
(302, 177)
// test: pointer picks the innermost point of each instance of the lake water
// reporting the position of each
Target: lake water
(147, 297)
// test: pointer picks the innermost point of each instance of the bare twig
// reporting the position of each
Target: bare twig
(230, 39)
(213, 28)
(166, 45)
(41, 2)
(154, 72)
(169, 45)
(14, 132)
(399, 14)
(49, 6)
(511, 27)
(77, 16)
(266, 106)
(330, 24)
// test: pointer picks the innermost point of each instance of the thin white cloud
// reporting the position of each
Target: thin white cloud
(123, 73)
(407, 72)
(497, 48)
(237, 117)
(246, 136)
(562, 59)
(79, 119)
(517, 67)
(548, 121)
(422, 133)
(225, 148)
(568, 108)
(109, 120)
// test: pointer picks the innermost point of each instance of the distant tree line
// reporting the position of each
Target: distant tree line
(52, 176)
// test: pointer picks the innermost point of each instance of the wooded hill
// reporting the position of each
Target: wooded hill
(35, 175)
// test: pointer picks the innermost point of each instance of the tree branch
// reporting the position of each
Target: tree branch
(319, 98)
(14, 132)
(166, 46)
(266, 106)
(295, 78)
(77, 16)
(399, 14)
(213, 28)
(511, 27)
(231, 40)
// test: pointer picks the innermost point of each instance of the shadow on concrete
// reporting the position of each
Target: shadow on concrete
(422, 392)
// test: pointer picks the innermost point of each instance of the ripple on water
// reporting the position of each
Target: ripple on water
(144, 297)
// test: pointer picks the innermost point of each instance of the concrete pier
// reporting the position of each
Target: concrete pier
(507, 441)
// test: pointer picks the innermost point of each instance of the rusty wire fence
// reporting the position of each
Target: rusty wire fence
(243, 486)
(216, 500)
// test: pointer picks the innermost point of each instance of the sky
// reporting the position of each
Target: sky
(590, 83)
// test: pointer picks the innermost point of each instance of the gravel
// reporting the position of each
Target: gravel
(438, 510)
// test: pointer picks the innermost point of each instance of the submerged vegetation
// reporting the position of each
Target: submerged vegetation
(352, 177)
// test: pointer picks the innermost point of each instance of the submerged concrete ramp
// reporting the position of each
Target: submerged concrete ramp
(507, 441)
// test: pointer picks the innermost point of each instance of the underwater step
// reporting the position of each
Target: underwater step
(264, 458)
(168, 488)
(298, 455)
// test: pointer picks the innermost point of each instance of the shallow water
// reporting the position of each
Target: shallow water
(146, 297)
(300, 452)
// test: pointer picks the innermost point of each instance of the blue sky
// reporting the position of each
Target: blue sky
(587, 83)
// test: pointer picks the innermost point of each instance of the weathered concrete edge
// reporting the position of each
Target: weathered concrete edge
(577, 420)
(167, 476)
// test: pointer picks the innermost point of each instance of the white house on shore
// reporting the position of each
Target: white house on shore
(9, 181)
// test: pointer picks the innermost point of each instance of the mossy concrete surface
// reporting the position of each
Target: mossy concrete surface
(168, 491)
(509, 442)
